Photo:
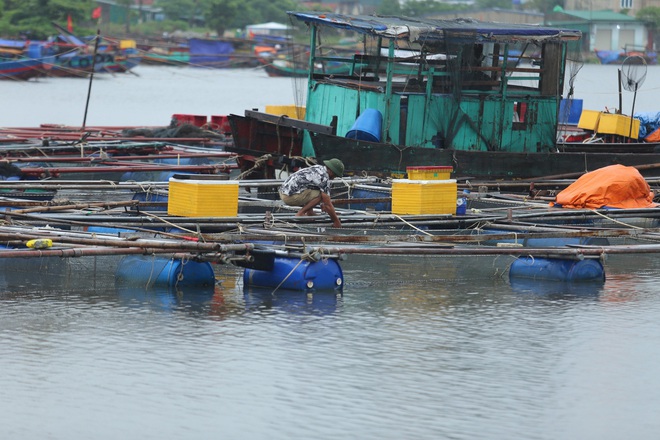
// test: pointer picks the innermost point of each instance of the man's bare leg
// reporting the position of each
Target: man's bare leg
(308, 209)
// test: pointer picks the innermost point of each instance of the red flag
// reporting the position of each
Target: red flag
(96, 13)
(69, 23)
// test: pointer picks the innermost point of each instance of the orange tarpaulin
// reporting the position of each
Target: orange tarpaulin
(615, 186)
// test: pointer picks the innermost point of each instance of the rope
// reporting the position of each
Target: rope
(288, 275)
(196, 233)
(411, 225)
(616, 221)
(258, 163)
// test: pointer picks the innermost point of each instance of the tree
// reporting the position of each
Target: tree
(651, 17)
(232, 14)
(420, 8)
(126, 4)
(544, 6)
(221, 15)
(33, 18)
(389, 7)
(184, 10)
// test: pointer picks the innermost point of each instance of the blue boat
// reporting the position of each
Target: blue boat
(20, 60)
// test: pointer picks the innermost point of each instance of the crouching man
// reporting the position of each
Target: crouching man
(310, 186)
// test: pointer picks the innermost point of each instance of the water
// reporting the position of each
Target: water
(154, 94)
(415, 348)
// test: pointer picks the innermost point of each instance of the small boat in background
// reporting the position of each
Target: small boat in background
(21, 60)
(618, 56)
(166, 55)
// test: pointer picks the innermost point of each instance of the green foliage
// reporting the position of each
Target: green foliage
(33, 18)
(389, 7)
(159, 27)
(421, 8)
(650, 15)
(232, 14)
(184, 10)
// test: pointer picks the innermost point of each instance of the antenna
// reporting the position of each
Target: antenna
(633, 74)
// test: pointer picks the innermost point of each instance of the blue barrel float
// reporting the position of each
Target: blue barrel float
(367, 126)
(296, 274)
(557, 269)
(160, 271)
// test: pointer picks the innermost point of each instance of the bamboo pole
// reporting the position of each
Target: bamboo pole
(53, 208)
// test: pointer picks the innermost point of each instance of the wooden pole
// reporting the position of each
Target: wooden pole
(91, 76)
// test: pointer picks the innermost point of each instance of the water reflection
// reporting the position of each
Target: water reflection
(292, 301)
(167, 299)
(556, 289)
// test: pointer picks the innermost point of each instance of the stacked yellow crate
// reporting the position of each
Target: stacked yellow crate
(292, 111)
(429, 172)
(202, 198)
(424, 196)
(612, 123)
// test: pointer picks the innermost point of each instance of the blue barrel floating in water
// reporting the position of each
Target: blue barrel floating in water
(367, 126)
(294, 274)
(156, 271)
(557, 269)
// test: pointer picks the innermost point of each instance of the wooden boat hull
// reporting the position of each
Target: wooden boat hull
(391, 160)
(262, 140)
(23, 69)
(618, 57)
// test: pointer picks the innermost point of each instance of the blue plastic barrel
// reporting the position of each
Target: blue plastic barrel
(557, 269)
(34, 50)
(367, 126)
(294, 274)
(156, 271)
(366, 193)
(461, 206)
(570, 111)
(144, 196)
(108, 230)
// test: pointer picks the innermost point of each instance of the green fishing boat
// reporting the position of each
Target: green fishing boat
(481, 97)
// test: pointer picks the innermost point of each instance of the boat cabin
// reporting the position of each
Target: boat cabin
(447, 84)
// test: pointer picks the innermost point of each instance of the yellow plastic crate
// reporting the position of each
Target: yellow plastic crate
(424, 196)
(612, 123)
(589, 120)
(292, 111)
(429, 172)
(202, 198)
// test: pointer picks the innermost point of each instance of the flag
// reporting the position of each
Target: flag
(69, 23)
(96, 13)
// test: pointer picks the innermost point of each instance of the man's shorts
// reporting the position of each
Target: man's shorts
(300, 199)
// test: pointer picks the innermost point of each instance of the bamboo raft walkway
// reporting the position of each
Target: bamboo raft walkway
(141, 229)
(503, 215)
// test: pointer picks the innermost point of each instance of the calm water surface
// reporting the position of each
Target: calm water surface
(415, 348)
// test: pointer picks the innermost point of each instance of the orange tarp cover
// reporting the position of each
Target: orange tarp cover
(615, 186)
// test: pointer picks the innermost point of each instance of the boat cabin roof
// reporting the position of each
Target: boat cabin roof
(430, 31)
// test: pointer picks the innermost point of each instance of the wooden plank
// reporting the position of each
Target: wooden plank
(286, 121)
